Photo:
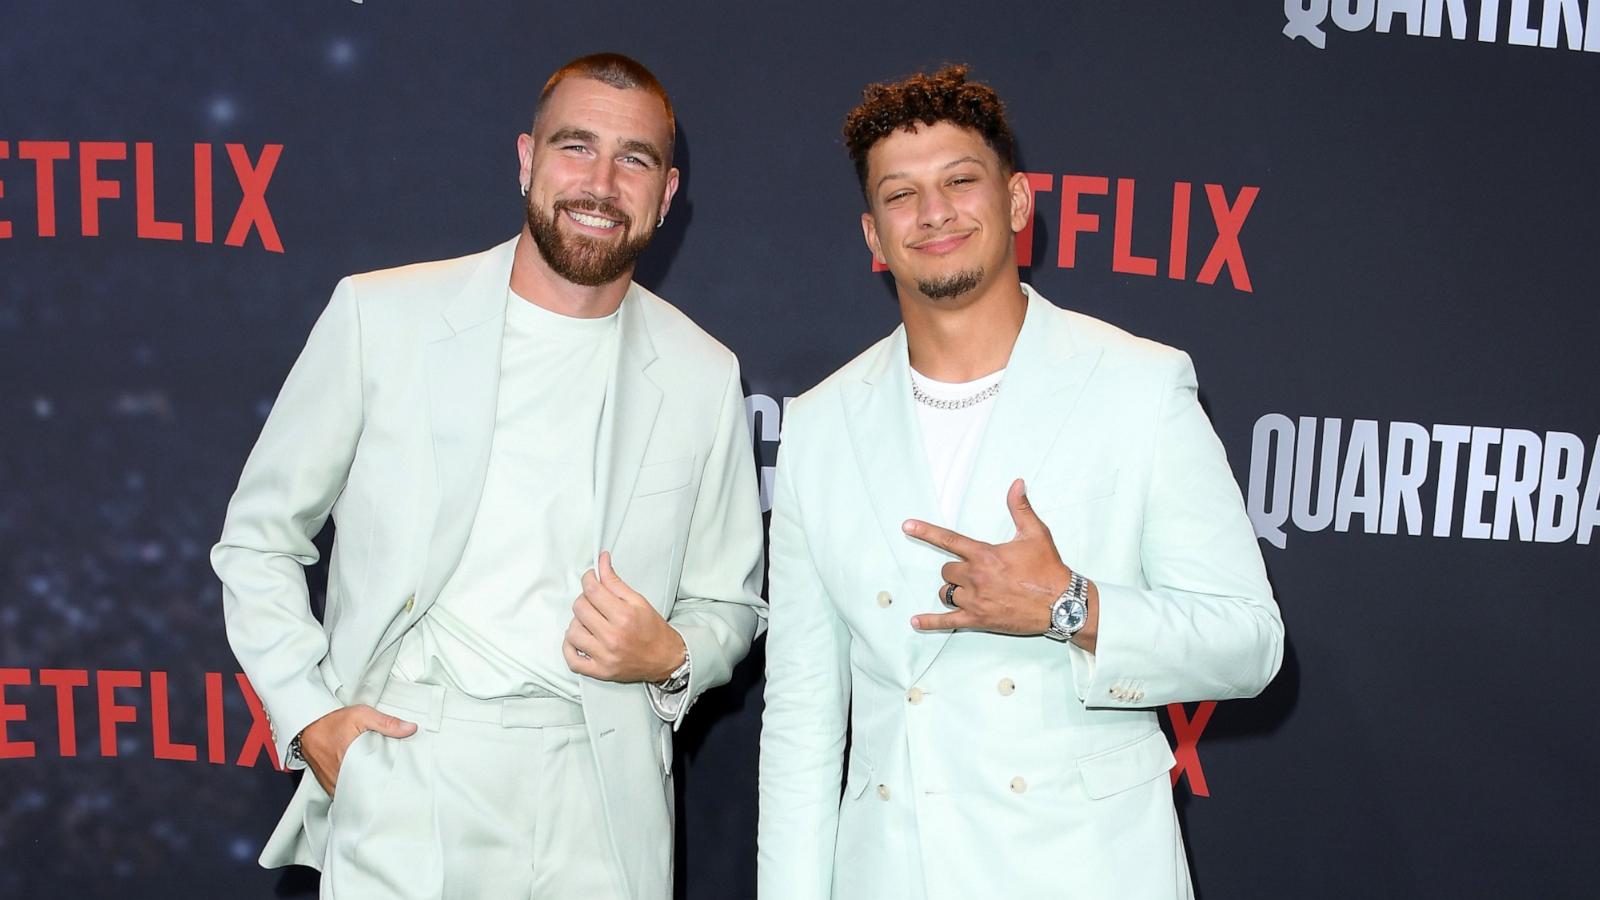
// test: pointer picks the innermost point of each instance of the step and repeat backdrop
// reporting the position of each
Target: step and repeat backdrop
(1371, 223)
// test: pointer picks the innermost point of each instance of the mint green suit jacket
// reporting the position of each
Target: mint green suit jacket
(385, 424)
(983, 765)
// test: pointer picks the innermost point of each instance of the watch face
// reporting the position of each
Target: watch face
(1070, 616)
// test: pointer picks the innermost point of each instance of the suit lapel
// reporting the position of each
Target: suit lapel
(887, 442)
(1044, 377)
(631, 405)
(627, 419)
(463, 376)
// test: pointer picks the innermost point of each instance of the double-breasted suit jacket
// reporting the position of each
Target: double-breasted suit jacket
(983, 765)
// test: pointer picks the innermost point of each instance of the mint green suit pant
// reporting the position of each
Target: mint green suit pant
(487, 800)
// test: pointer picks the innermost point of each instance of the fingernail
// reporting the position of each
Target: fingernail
(908, 526)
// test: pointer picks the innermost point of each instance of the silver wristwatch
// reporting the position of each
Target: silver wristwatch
(679, 679)
(1070, 612)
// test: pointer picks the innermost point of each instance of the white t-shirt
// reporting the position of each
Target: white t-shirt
(497, 627)
(951, 436)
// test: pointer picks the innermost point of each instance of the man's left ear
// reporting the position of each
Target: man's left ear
(1021, 201)
(524, 160)
(668, 192)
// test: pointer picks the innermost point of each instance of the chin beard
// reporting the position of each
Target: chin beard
(951, 286)
(583, 260)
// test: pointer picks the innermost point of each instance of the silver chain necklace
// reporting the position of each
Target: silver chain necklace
(919, 395)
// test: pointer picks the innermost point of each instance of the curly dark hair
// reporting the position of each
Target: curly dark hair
(944, 96)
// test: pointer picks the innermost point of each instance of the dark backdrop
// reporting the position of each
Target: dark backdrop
(1407, 255)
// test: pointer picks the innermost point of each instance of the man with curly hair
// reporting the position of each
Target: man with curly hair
(1001, 538)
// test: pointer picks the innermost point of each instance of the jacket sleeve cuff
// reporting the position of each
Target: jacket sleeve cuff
(670, 707)
(283, 736)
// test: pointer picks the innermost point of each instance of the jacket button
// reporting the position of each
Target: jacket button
(883, 792)
(1018, 785)
(914, 696)
(410, 602)
(1007, 687)
(884, 599)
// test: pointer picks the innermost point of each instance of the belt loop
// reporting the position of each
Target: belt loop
(436, 695)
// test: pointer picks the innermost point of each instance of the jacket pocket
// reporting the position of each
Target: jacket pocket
(859, 776)
(1059, 492)
(658, 478)
(1130, 765)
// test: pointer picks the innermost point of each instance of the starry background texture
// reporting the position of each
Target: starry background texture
(1421, 250)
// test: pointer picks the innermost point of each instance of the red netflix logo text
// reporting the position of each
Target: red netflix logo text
(1086, 199)
(1186, 735)
(110, 690)
(102, 687)
(102, 173)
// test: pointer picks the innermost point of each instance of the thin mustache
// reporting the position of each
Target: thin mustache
(943, 237)
(595, 206)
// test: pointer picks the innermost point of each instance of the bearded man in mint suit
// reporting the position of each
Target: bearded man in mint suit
(548, 541)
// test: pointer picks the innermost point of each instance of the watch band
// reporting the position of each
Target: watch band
(1076, 595)
(679, 679)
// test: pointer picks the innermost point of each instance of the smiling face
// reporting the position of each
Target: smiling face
(942, 211)
(598, 178)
